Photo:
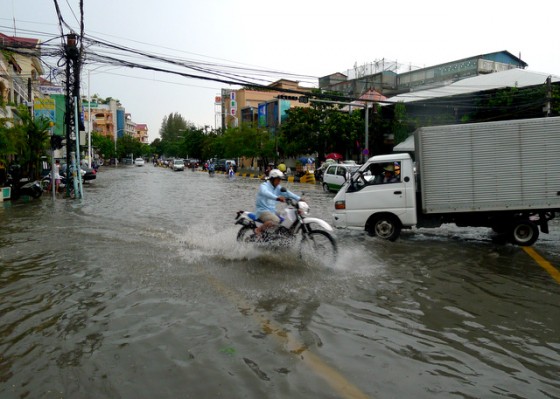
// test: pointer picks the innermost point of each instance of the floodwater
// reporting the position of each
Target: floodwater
(141, 291)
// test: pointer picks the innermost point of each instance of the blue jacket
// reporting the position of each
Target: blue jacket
(266, 197)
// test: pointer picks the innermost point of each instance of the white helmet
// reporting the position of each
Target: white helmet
(275, 173)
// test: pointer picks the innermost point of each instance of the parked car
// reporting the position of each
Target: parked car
(139, 162)
(336, 175)
(87, 173)
(178, 164)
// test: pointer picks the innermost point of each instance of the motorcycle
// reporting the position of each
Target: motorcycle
(64, 181)
(32, 189)
(295, 229)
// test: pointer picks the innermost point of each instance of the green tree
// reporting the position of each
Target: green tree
(128, 145)
(27, 140)
(172, 126)
(11, 141)
(192, 142)
(105, 145)
(399, 125)
(322, 128)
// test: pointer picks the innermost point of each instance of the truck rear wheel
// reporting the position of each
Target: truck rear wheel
(387, 227)
(524, 233)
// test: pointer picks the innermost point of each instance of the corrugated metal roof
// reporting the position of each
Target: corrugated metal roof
(497, 80)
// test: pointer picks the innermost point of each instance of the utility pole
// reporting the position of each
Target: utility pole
(72, 57)
(547, 107)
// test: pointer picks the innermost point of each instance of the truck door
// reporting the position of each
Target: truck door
(383, 188)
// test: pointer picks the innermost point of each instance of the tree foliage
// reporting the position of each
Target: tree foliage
(322, 129)
(24, 140)
(105, 145)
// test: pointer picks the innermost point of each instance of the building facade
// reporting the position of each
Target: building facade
(386, 78)
(20, 72)
(242, 106)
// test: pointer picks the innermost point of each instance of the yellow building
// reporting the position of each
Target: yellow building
(20, 71)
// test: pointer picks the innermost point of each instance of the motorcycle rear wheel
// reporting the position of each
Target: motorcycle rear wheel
(318, 246)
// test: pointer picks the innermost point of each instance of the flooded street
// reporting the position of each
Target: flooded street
(141, 291)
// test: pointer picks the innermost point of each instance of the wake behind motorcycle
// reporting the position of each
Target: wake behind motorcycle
(295, 230)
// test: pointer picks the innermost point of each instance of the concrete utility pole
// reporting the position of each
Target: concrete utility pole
(72, 57)
(547, 107)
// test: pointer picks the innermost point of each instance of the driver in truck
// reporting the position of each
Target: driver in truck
(390, 176)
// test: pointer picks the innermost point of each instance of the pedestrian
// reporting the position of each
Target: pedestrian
(57, 177)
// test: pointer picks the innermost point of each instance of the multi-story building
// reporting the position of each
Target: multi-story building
(142, 132)
(20, 71)
(243, 105)
(391, 78)
(5, 85)
(138, 131)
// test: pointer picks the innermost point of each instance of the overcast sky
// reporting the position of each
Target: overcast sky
(305, 39)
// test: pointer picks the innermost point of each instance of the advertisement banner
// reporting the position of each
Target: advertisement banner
(284, 106)
(262, 115)
(45, 108)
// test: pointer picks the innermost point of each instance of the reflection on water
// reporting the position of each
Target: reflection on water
(142, 291)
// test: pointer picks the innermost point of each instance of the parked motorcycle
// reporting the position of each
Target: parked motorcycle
(19, 188)
(295, 230)
(46, 185)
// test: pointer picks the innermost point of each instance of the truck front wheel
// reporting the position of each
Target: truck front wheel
(524, 233)
(387, 227)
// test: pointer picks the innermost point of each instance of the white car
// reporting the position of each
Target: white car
(139, 162)
(336, 175)
(178, 164)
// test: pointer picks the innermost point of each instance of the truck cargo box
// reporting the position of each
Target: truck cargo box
(489, 166)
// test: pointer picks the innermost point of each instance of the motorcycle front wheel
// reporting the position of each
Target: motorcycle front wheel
(318, 246)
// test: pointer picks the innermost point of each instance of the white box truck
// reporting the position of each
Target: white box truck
(502, 175)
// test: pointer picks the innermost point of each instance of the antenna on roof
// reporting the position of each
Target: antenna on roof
(14, 18)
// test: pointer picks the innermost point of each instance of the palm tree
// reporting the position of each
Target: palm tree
(26, 141)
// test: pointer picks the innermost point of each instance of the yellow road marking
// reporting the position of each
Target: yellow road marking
(336, 380)
(543, 263)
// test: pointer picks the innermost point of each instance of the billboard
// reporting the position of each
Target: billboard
(262, 115)
(284, 106)
(45, 108)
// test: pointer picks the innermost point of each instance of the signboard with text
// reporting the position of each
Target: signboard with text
(45, 108)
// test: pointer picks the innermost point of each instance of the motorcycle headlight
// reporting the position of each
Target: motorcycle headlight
(303, 208)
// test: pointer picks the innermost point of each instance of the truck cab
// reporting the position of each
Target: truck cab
(380, 198)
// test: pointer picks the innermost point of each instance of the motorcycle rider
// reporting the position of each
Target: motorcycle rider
(270, 192)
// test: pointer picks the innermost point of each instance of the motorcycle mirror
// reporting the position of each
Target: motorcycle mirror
(283, 190)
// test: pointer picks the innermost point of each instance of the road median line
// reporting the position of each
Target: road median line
(335, 379)
(542, 262)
